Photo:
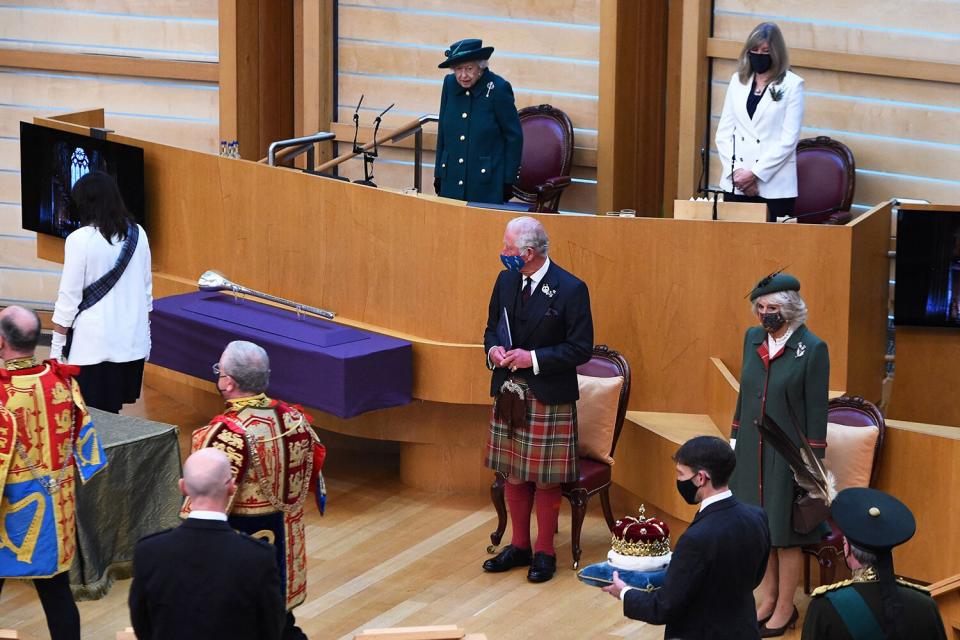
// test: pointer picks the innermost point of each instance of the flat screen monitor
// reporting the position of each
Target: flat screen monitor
(927, 291)
(51, 162)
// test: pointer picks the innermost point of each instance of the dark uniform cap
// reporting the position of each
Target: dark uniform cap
(776, 281)
(872, 519)
(465, 51)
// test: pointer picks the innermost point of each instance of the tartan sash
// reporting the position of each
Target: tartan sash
(95, 291)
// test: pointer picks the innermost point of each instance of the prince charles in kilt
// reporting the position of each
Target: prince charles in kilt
(539, 329)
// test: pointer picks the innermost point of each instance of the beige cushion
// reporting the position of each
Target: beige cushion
(597, 416)
(850, 454)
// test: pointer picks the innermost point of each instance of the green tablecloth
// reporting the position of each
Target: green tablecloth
(135, 495)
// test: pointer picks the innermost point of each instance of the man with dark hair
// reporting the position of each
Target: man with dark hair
(717, 563)
(873, 603)
(45, 434)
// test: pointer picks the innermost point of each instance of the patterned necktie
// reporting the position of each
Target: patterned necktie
(527, 289)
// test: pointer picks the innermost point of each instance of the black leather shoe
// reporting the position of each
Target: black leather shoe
(542, 568)
(507, 559)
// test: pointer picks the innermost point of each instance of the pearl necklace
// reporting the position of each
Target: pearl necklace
(779, 342)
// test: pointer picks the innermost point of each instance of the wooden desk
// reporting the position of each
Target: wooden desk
(728, 211)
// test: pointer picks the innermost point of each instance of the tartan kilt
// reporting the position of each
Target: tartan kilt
(543, 450)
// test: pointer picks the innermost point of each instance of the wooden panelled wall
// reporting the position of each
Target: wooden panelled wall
(549, 51)
(151, 64)
(884, 81)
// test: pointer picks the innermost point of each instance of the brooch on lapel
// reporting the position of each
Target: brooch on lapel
(776, 93)
(489, 89)
(801, 349)
(547, 291)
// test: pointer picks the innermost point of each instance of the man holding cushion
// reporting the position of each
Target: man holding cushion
(717, 563)
(539, 329)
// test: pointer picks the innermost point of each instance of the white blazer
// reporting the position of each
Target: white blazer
(117, 328)
(767, 144)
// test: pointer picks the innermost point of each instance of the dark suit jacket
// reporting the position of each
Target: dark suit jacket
(708, 591)
(204, 580)
(559, 327)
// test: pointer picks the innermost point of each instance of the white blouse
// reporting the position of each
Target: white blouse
(117, 328)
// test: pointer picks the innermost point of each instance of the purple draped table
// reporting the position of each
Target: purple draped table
(337, 369)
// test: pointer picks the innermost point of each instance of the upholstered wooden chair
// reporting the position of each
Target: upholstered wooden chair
(855, 432)
(826, 178)
(604, 394)
(547, 157)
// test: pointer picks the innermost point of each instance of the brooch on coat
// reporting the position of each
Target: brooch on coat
(547, 291)
(776, 93)
(489, 89)
(801, 349)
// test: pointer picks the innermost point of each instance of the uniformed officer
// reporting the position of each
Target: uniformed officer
(479, 140)
(873, 604)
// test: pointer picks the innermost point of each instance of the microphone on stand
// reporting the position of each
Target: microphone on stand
(356, 125)
(733, 160)
(376, 127)
(369, 155)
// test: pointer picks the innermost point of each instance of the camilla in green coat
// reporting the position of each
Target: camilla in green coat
(785, 375)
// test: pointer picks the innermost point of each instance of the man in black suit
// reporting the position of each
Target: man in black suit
(717, 563)
(539, 328)
(202, 579)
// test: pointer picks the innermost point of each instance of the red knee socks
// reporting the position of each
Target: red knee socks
(548, 511)
(519, 499)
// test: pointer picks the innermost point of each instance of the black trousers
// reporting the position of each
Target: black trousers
(63, 617)
(776, 207)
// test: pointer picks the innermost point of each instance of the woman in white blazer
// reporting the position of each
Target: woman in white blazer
(111, 336)
(760, 125)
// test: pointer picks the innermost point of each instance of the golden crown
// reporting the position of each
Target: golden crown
(641, 537)
(641, 549)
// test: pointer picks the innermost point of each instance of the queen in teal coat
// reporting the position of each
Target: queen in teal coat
(785, 375)
(479, 140)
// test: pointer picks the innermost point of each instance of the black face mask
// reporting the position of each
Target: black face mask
(772, 321)
(760, 62)
(688, 490)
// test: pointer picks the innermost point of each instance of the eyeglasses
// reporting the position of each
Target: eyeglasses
(216, 370)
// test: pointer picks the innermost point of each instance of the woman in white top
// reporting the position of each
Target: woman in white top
(760, 125)
(111, 337)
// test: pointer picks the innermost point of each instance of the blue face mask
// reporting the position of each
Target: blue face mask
(512, 263)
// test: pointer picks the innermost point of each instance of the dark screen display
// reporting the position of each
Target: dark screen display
(51, 161)
(927, 291)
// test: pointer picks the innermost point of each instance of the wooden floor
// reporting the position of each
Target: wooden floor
(387, 555)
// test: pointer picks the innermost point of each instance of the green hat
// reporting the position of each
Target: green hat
(465, 51)
(872, 519)
(776, 281)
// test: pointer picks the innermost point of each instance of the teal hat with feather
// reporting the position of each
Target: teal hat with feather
(773, 283)
(465, 50)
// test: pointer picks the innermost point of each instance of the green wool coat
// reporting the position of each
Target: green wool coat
(799, 375)
(479, 139)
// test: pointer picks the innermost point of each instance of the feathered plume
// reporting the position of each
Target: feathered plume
(807, 468)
